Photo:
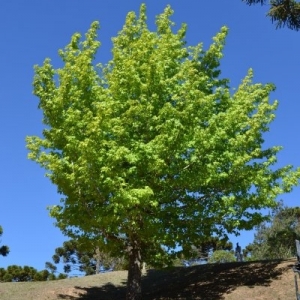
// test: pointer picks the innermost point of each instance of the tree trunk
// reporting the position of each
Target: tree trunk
(134, 279)
(98, 260)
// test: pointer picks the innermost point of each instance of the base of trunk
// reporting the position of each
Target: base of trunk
(134, 280)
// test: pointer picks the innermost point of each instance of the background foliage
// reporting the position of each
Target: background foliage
(276, 238)
(17, 274)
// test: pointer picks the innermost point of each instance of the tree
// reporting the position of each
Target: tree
(206, 247)
(152, 151)
(221, 256)
(4, 250)
(276, 239)
(282, 12)
(202, 252)
(213, 244)
(17, 274)
(76, 256)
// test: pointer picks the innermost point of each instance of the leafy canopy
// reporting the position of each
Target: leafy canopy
(153, 150)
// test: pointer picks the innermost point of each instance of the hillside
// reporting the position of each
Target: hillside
(233, 281)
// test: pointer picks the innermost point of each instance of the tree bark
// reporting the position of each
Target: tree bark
(98, 260)
(134, 279)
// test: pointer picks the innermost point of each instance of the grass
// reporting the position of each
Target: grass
(264, 280)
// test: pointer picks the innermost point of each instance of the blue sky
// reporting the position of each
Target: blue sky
(32, 30)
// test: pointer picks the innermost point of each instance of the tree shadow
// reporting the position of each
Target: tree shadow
(105, 292)
(210, 281)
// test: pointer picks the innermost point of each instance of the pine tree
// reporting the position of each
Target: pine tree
(84, 257)
(4, 250)
(282, 12)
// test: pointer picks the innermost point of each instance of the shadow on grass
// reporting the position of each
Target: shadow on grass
(105, 292)
(210, 281)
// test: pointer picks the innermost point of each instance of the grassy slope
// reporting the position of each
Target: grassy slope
(233, 281)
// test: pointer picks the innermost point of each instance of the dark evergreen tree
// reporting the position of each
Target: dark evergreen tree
(282, 12)
(17, 274)
(4, 250)
(204, 250)
(84, 256)
(211, 244)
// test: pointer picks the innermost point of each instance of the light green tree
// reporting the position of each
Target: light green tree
(153, 151)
